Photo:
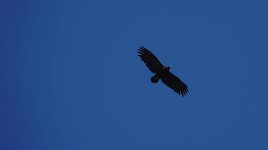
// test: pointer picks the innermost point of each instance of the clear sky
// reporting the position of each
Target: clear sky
(71, 78)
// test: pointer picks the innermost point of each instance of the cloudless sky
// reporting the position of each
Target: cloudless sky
(71, 78)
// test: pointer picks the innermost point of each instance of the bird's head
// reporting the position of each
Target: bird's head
(167, 67)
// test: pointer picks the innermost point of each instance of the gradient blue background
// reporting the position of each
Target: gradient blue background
(71, 78)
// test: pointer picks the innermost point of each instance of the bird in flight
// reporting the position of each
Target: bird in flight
(162, 72)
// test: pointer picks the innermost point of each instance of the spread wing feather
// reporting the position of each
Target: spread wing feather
(175, 83)
(150, 59)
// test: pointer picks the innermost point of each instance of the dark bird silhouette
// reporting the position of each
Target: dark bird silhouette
(162, 72)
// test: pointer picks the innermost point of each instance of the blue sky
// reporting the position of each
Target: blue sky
(71, 77)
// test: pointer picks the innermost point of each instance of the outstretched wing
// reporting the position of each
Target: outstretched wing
(150, 59)
(175, 83)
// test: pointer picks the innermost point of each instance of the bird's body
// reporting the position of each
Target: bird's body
(158, 75)
(162, 72)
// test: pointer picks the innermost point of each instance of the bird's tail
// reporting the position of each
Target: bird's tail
(155, 79)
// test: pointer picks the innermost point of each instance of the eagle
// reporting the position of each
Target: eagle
(162, 72)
